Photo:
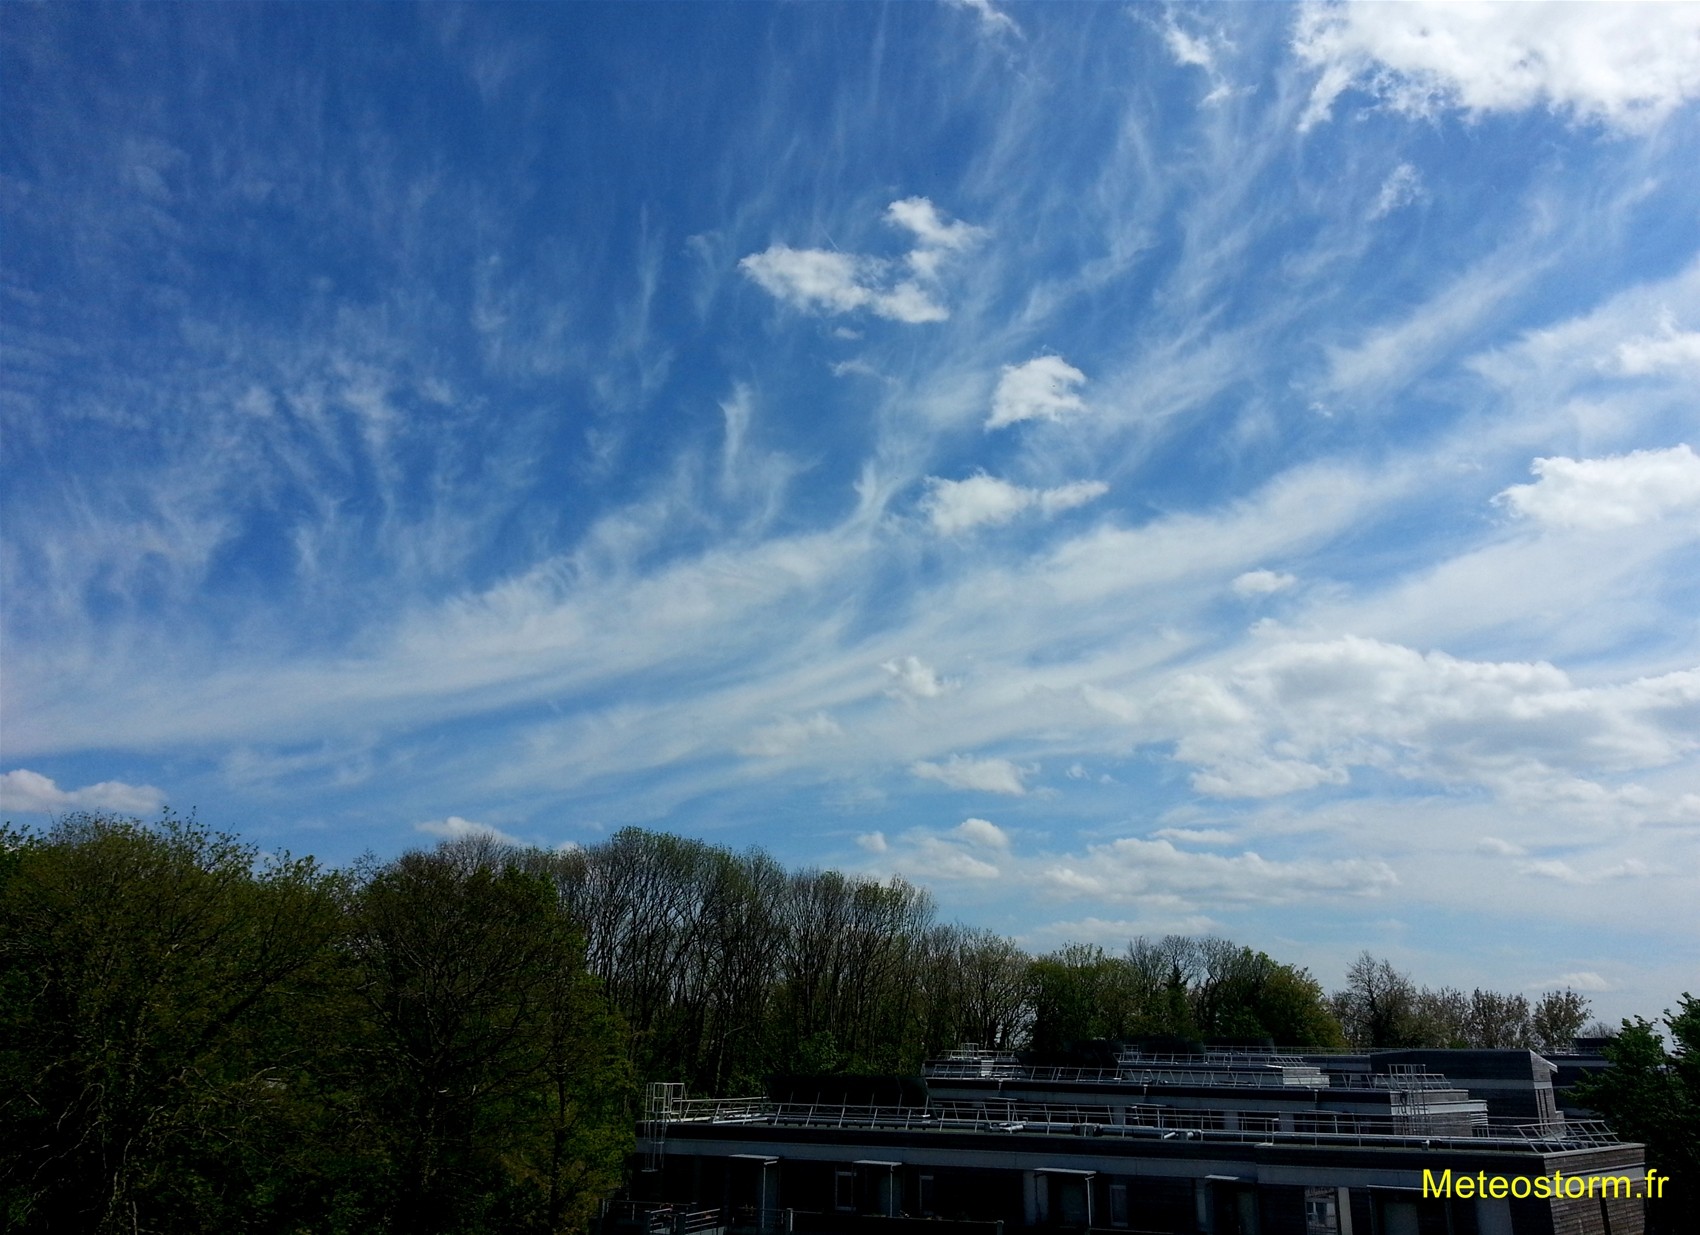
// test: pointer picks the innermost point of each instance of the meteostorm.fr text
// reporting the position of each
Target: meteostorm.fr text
(1556, 1186)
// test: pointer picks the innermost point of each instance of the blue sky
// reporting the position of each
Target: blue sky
(1128, 468)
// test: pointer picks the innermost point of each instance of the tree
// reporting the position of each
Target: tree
(1499, 1022)
(1557, 1019)
(149, 978)
(1292, 1010)
(499, 1077)
(1378, 1005)
(1652, 1095)
(1441, 1018)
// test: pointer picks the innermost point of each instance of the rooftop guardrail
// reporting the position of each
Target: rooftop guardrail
(1167, 1123)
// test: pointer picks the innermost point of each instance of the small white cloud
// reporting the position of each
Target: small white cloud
(985, 775)
(1617, 491)
(788, 735)
(809, 278)
(1494, 847)
(1624, 66)
(1133, 870)
(873, 842)
(1195, 836)
(1076, 771)
(1583, 980)
(982, 832)
(1262, 583)
(913, 677)
(1669, 351)
(822, 281)
(30, 793)
(936, 238)
(934, 858)
(1042, 389)
(1563, 872)
(958, 505)
(456, 828)
(1400, 189)
(827, 281)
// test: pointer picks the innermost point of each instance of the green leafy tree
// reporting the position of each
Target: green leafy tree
(147, 979)
(499, 1075)
(1651, 1094)
(1557, 1019)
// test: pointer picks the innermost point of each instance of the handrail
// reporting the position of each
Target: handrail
(1315, 1127)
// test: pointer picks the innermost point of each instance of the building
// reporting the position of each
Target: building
(1223, 1143)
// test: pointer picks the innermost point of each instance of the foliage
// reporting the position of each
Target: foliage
(1176, 988)
(147, 976)
(1381, 1007)
(1652, 1095)
(193, 1038)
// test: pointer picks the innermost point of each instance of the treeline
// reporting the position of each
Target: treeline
(729, 969)
(1382, 1007)
(195, 1037)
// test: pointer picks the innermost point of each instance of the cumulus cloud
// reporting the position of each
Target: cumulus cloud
(1130, 869)
(932, 857)
(1262, 582)
(1493, 846)
(985, 775)
(1612, 492)
(829, 282)
(959, 505)
(1195, 836)
(873, 842)
(456, 828)
(788, 735)
(1669, 351)
(1623, 66)
(1044, 388)
(922, 854)
(1564, 872)
(1585, 980)
(982, 832)
(914, 678)
(30, 793)
(822, 281)
(935, 237)
(1303, 714)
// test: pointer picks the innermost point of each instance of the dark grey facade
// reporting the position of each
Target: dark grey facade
(1222, 1144)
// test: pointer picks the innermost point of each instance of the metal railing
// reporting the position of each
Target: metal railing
(1309, 1127)
(661, 1218)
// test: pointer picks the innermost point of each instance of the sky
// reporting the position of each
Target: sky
(1129, 468)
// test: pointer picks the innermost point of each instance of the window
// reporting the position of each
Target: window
(844, 1191)
(928, 1197)
(1321, 1214)
(1118, 1204)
